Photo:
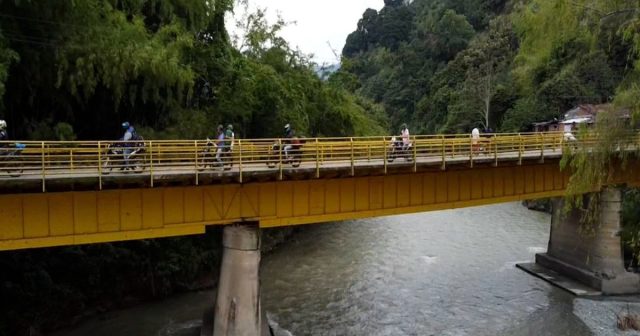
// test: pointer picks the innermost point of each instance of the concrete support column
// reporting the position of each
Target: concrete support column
(238, 311)
(595, 260)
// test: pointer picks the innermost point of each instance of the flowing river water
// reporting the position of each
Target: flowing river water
(437, 273)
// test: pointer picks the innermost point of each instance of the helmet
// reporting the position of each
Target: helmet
(230, 127)
(403, 126)
(287, 127)
(125, 124)
(3, 125)
(220, 128)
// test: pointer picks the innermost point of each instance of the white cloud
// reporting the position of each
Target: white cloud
(317, 22)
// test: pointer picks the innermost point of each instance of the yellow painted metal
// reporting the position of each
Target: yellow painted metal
(58, 159)
(240, 160)
(471, 151)
(51, 219)
(495, 149)
(151, 163)
(520, 148)
(542, 147)
(415, 154)
(195, 161)
(384, 157)
(43, 168)
(353, 161)
(444, 159)
(64, 218)
(99, 165)
(280, 150)
(317, 159)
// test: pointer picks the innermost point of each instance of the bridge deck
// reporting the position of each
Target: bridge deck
(59, 166)
(66, 193)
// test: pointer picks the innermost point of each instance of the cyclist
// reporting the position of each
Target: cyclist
(129, 135)
(229, 136)
(3, 131)
(289, 135)
(404, 133)
(219, 142)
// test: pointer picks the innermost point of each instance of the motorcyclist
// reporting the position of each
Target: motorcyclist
(289, 134)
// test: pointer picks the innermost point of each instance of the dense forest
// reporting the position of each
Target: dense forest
(451, 65)
(80, 68)
(77, 69)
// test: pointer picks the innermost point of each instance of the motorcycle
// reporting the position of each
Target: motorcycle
(114, 157)
(208, 157)
(10, 159)
(397, 149)
(293, 155)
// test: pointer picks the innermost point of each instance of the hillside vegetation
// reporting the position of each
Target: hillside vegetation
(451, 65)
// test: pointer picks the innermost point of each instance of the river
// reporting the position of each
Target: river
(437, 273)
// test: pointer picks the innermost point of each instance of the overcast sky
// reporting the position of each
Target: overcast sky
(317, 22)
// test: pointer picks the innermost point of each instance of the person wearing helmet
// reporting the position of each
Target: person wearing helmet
(289, 134)
(129, 134)
(404, 133)
(4, 136)
(3, 131)
(219, 141)
(229, 137)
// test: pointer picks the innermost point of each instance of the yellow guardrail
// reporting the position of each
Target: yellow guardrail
(78, 159)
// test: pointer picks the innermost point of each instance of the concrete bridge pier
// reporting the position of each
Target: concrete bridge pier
(237, 310)
(596, 259)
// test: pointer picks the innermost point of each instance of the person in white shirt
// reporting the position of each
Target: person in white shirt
(404, 132)
(475, 139)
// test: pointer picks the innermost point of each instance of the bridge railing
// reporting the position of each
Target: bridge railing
(91, 159)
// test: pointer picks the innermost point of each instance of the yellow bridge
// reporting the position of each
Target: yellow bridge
(64, 193)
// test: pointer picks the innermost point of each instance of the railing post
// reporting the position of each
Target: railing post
(195, 161)
(368, 152)
(239, 158)
(495, 148)
(444, 158)
(99, 165)
(353, 167)
(317, 159)
(520, 149)
(384, 155)
(471, 151)
(43, 167)
(71, 158)
(542, 147)
(151, 162)
(280, 150)
(415, 154)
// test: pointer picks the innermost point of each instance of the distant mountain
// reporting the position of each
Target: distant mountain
(325, 70)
